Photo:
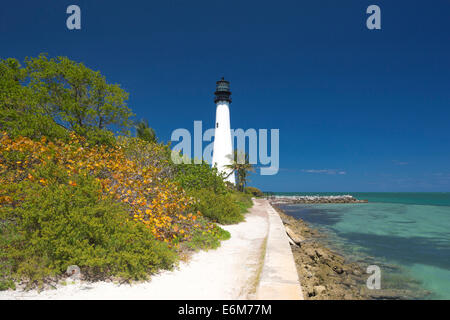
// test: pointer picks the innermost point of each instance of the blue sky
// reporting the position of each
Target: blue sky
(374, 105)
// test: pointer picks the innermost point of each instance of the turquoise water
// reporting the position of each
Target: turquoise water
(410, 231)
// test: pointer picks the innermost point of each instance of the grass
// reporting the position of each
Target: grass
(244, 201)
(258, 273)
(204, 241)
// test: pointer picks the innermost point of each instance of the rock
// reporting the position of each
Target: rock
(356, 272)
(73, 272)
(322, 254)
(292, 243)
(319, 268)
(311, 253)
(285, 221)
(338, 269)
(315, 199)
(295, 237)
(319, 290)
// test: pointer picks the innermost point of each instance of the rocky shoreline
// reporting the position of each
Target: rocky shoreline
(314, 199)
(327, 275)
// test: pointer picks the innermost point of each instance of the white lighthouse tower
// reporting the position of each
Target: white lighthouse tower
(223, 149)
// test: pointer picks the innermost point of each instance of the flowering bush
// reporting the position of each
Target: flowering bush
(127, 180)
(149, 195)
(72, 225)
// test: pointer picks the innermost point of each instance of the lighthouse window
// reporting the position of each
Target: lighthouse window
(217, 125)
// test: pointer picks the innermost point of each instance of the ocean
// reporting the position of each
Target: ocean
(406, 234)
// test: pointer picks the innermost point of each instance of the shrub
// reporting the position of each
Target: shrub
(204, 240)
(148, 154)
(95, 136)
(110, 210)
(220, 208)
(144, 132)
(31, 124)
(243, 200)
(142, 188)
(254, 191)
(58, 225)
(199, 176)
(214, 199)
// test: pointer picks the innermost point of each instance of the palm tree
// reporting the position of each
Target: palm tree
(144, 132)
(241, 166)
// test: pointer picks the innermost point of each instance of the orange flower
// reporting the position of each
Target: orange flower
(150, 196)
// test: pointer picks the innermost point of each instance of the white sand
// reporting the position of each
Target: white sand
(228, 272)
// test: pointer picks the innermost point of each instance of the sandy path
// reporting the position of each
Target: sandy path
(226, 273)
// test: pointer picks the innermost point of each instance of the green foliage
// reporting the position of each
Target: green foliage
(144, 132)
(48, 97)
(243, 200)
(221, 208)
(98, 136)
(145, 154)
(242, 167)
(58, 225)
(20, 114)
(215, 200)
(254, 191)
(199, 176)
(13, 95)
(6, 262)
(77, 95)
(33, 125)
(205, 241)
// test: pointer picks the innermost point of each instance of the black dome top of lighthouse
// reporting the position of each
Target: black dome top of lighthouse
(223, 92)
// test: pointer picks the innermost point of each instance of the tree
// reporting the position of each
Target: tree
(13, 95)
(72, 95)
(78, 95)
(144, 132)
(20, 114)
(242, 167)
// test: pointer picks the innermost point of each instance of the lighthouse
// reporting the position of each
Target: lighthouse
(223, 149)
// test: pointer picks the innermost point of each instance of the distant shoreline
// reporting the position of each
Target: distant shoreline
(278, 199)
